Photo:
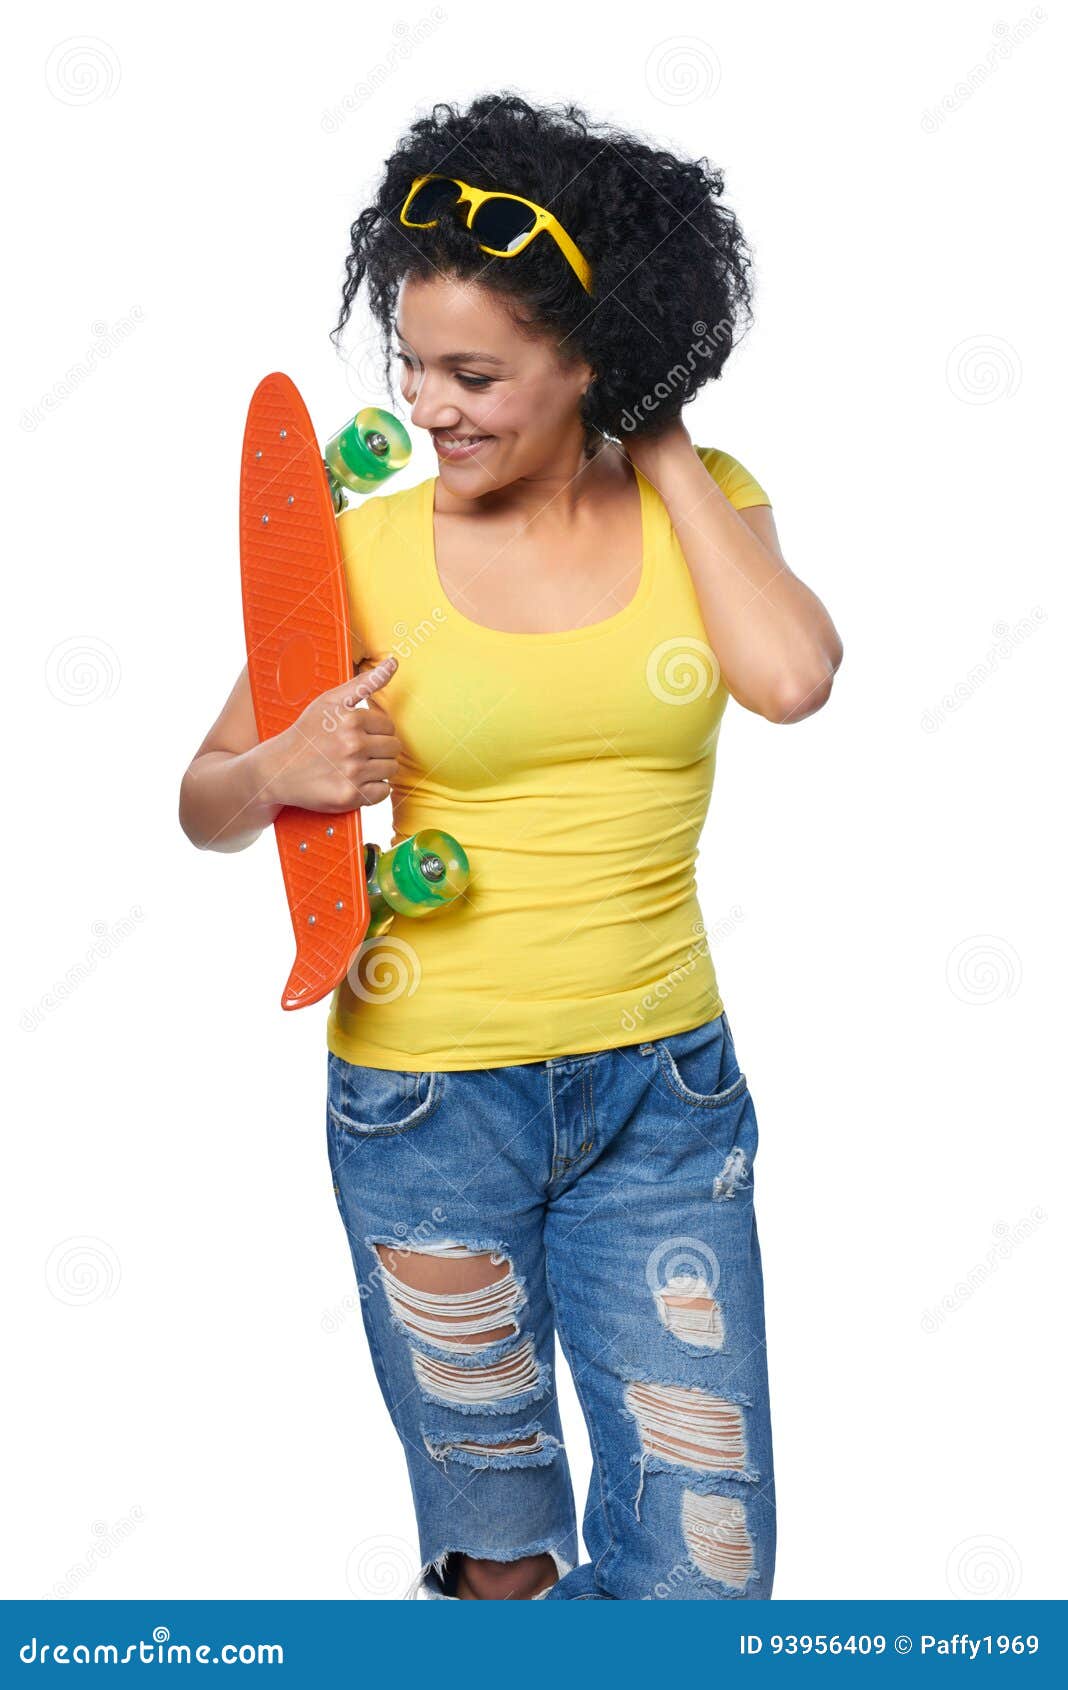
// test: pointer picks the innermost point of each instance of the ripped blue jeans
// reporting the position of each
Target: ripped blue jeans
(606, 1198)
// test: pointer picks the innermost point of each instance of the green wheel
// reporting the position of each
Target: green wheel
(417, 877)
(366, 452)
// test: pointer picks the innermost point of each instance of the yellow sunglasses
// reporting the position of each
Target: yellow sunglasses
(503, 224)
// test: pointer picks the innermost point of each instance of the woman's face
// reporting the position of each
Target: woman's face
(498, 404)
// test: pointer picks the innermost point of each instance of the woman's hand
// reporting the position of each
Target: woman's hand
(337, 756)
(650, 452)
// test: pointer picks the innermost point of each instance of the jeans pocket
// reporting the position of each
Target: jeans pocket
(378, 1102)
(700, 1065)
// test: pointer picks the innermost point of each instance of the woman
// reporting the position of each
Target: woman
(536, 1119)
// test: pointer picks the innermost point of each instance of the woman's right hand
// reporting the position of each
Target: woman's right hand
(336, 756)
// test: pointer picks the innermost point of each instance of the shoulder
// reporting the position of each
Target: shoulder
(378, 519)
(741, 487)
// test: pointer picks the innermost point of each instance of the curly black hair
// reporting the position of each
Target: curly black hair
(671, 268)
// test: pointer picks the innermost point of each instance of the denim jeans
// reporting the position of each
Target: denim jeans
(607, 1199)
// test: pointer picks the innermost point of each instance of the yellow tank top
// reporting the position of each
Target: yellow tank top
(575, 769)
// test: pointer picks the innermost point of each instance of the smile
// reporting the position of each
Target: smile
(459, 446)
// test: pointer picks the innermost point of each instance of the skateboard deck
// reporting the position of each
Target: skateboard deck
(296, 617)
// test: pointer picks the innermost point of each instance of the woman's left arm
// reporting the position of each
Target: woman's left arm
(776, 646)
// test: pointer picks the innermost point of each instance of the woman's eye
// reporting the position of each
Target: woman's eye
(464, 380)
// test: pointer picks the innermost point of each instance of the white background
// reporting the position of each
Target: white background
(193, 1411)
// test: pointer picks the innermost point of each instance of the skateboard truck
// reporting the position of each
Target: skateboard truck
(296, 615)
(414, 878)
(363, 454)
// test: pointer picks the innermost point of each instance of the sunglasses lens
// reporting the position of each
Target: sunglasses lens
(431, 200)
(502, 223)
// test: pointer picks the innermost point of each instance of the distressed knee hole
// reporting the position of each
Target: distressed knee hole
(451, 1296)
(733, 1176)
(522, 1448)
(681, 1423)
(515, 1446)
(510, 1376)
(717, 1537)
(688, 1309)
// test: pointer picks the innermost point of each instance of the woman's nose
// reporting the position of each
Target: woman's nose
(428, 408)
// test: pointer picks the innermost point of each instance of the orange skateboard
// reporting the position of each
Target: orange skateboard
(296, 611)
(297, 634)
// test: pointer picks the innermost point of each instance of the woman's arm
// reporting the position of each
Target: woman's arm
(776, 646)
(336, 757)
(224, 803)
